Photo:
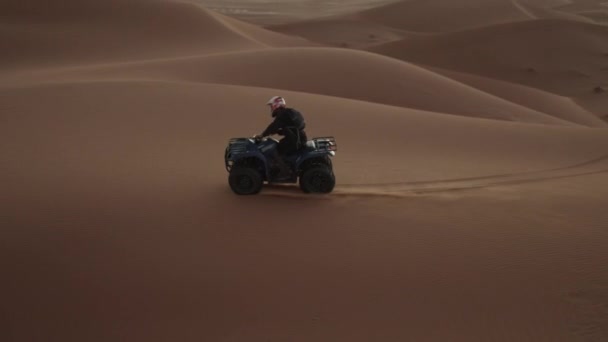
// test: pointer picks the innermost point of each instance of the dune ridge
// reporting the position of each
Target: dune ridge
(319, 70)
(402, 19)
(34, 34)
(350, 31)
(599, 16)
(449, 16)
(571, 67)
(397, 132)
(542, 101)
(581, 5)
(580, 55)
(548, 11)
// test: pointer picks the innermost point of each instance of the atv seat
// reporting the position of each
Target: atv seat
(310, 145)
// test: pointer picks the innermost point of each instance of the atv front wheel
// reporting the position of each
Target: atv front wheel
(245, 180)
(318, 179)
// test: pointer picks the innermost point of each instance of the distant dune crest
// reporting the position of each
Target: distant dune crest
(554, 46)
(95, 31)
(483, 38)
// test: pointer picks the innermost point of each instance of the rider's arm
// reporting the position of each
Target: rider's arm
(273, 128)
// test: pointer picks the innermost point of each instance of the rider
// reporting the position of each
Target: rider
(289, 123)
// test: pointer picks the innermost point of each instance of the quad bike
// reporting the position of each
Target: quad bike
(249, 164)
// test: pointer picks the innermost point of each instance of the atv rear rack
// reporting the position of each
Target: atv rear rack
(325, 144)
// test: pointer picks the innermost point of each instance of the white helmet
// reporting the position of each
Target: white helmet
(276, 102)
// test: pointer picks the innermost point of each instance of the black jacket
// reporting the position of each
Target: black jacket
(289, 123)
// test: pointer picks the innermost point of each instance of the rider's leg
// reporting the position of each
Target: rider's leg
(283, 149)
(278, 160)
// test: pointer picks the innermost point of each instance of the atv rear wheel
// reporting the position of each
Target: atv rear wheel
(245, 180)
(318, 179)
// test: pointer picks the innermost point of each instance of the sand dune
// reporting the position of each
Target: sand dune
(320, 71)
(93, 31)
(599, 16)
(446, 16)
(345, 31)
(595, 10)
(116, 180)
(162, 117)
(481, 217)
(278, 12)
(539, 11)
(571, 67)
(412, 19)
(542, 101)
(308, 72)
(260, 35)
(581, 5)
(470, 50)
(546, 3)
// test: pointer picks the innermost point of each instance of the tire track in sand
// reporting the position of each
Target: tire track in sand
(408, 189)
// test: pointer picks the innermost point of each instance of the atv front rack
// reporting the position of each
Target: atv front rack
(235, 146)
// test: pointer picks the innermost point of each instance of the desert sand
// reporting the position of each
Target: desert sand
(472, 171)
